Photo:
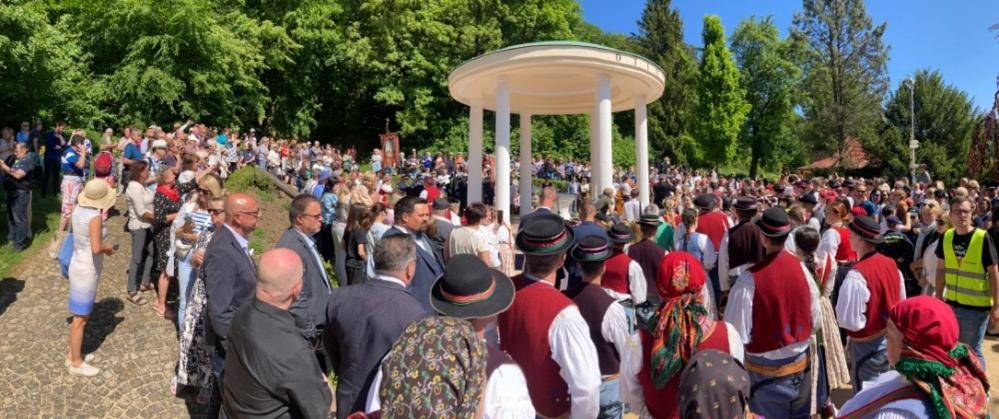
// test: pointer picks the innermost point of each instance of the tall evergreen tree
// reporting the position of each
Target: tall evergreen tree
(660, 38)
(768, 77)
(721, 104)
(846, 75)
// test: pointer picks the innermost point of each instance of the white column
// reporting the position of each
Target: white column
(475, 153)
(642, 149)
(595, 188)
(503, 147)
(604, 123)
(525, 164)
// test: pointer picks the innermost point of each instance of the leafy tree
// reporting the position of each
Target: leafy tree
(769, 77)
(945, 118)
(660, 38)
(845, 70)
(721, 104)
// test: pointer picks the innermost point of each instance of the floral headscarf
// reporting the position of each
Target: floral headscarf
(714, 385)
(676, 327)
(935, 362)
(437, 369)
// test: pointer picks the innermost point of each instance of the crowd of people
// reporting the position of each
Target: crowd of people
(723, 297)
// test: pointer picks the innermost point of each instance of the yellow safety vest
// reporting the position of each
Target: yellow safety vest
(967, 282)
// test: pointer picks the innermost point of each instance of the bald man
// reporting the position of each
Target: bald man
(271, 370)
(230, 277)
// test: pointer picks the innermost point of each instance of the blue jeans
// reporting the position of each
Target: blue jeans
(18, 211)
(611, 406)
(185, 286)
(780, 397)
(973, 324)
(867, 361)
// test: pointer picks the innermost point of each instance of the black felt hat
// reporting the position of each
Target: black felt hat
(544, 234)
(866, 228)
(774, 223)
(620, 233)
(706, 201)
(440, 203)
(745, 203)
(592, 248)
(808, 198)
(649, 218)
(470, 290)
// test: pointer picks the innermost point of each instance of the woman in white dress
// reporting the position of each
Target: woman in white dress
(85, 268)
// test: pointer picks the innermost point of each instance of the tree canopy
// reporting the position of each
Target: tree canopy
(721, 103)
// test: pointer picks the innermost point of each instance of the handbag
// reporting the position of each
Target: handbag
(56, 244)
(66, 255)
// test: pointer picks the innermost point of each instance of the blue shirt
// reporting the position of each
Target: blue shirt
(132, 152)
(221, 139)
(69, 168)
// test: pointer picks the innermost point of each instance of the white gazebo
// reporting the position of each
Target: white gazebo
(554, 78)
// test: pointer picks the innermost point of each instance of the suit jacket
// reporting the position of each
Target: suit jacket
(443, 232)
(363, 321)
(230, 282)
(310, 307)
(429, 267)
(541, 210)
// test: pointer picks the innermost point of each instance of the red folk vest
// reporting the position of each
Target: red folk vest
(432, 193)
(781, 303)
(844, 253)
(881, 274)
(616, 272)
(714, 225)
(524, 335)
(662, 403)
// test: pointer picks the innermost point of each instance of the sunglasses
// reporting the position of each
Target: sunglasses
(215, 211)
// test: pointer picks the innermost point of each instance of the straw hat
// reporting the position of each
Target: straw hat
(96, 194)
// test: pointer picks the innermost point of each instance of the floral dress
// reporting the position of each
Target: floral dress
(194, 366)
(163, 207)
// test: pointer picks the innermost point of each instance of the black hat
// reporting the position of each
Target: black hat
(544, 234)
(866, 228)
(745, 203)
(779, 188)
(593, 248)
(468, 289)
(602, 217)
(774, 223)
(706, 201)
(726, 203)
(849, 183)
(808, 198)
(649, 219)
(441, 203)
(620, 233)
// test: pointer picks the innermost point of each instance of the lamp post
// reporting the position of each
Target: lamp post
(913, 144)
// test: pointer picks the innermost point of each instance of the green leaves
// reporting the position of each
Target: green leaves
(721, 105)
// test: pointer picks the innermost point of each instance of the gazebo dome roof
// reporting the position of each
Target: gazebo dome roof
(556, 77)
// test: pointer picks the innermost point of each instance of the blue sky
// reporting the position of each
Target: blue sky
(950, 36)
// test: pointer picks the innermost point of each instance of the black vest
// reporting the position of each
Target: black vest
(593, 303)
(744, 244)
(648, 255)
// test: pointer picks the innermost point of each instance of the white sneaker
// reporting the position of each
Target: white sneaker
(84, 370)
(86, 358)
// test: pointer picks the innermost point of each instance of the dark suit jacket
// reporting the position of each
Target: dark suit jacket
(525, 217)
(428, 268)
(271, 370)
(310, 307)
(230, 282)
(363, 321)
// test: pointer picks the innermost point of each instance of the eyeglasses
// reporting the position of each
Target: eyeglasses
(255, 213)
(961, 212)
(318, 216)
(215, 211)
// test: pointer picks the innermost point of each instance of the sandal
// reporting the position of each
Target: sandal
(146, 288)
(137, 299)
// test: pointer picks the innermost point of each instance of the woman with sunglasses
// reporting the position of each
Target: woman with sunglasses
(194, 218)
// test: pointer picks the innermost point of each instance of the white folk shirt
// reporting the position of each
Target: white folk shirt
(726, 272)
(700, 241)
(739, 312)
(853, 298)
(829, 244)
(885, 384)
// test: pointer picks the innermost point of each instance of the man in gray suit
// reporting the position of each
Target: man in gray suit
(442, 225)
(309, 310)
(412, 216)
(363, 321)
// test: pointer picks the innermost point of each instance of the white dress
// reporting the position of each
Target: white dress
(85, 268)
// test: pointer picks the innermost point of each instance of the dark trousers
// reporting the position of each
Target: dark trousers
(51, 178)
(18, 208)
(142, 259)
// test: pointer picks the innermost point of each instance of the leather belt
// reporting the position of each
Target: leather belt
(875, 336)
(610, 377)
(779, 371)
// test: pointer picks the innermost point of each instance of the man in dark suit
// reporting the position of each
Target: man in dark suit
(545, 204)
(442, 225)
(271, 370)
(230, 277)
(363, 321)
(309, 309)
(412, 215)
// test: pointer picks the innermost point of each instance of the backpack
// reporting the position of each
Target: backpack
(103, 164)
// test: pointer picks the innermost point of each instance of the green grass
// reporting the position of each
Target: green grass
(44, 222)
(257, 242)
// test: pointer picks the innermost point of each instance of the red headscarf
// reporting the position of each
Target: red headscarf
(928, 326)
(676, 327)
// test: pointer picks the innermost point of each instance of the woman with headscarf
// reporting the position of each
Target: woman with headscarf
(933, 374)
(714, 385)
(680, 328)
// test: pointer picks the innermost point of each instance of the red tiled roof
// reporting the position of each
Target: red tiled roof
(854, 158)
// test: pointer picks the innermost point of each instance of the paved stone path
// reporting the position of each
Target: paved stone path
(134, 348)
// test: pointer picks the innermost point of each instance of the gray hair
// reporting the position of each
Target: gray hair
(299, 205)
(393, 253)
